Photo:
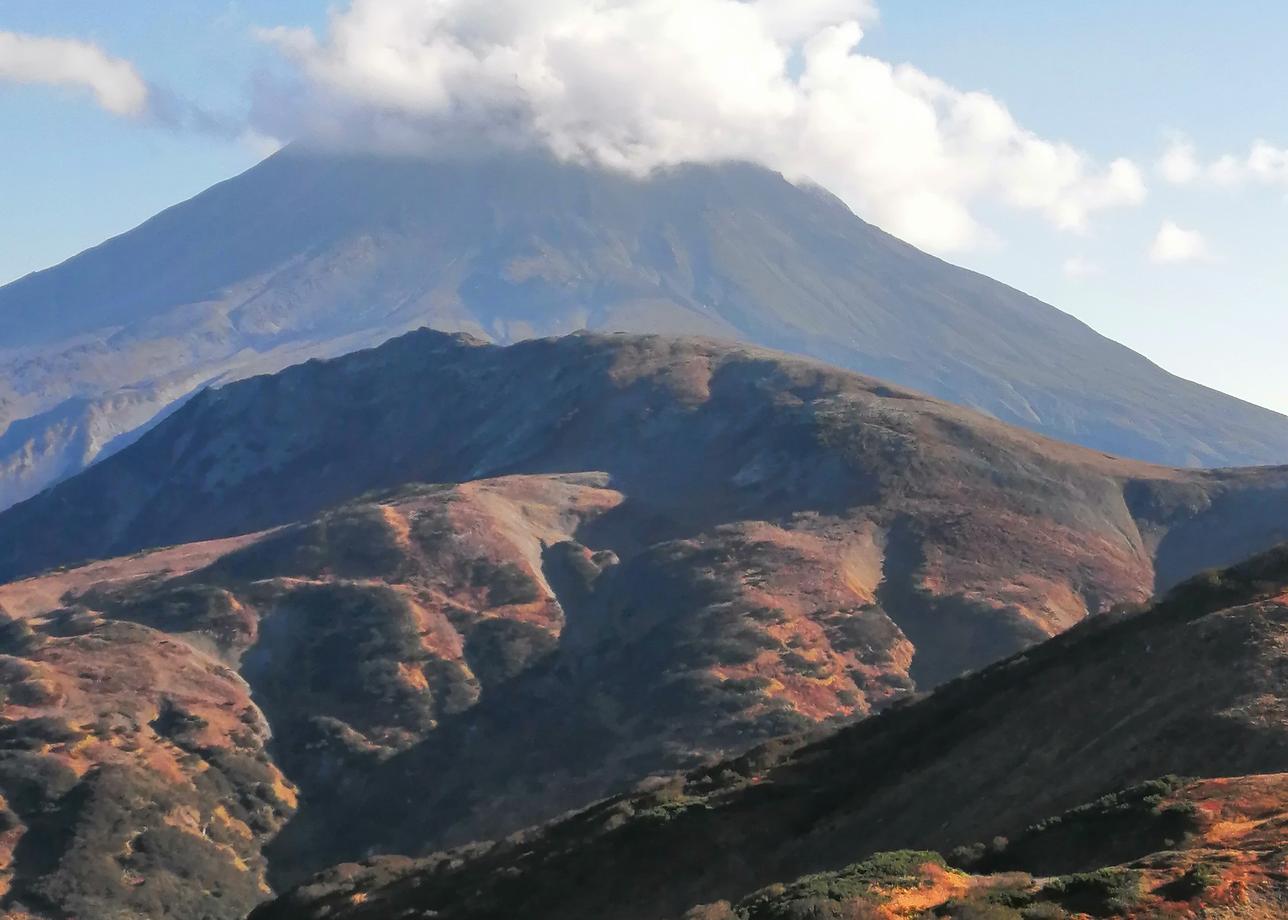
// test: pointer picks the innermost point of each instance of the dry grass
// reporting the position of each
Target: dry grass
(1262, 907)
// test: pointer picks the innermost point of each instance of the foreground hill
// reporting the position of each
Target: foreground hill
(310, 255)
(642, 554)
(1194, 685)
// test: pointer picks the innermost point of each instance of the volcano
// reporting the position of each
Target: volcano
(315, 255)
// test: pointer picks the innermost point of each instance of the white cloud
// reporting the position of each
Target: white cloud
(1174, 244)
(638, 84)
(114, 82)
(1263, 164)
(1268, 163)
(1179, 164)
(262, 145)
(1079, 267)
(1226, 170)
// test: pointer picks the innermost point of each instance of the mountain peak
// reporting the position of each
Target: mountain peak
(311, 254)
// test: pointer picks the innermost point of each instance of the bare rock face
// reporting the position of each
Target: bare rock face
(469, 588)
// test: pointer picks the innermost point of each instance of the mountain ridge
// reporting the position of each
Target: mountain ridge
(548, 391)
(311, 255)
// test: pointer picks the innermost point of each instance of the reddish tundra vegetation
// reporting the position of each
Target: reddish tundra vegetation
(549, 572)
(982, 778)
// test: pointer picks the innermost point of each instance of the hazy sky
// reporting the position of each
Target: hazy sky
(1126, 162)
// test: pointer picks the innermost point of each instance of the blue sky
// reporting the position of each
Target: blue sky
(1112, 80)
(1117, 79)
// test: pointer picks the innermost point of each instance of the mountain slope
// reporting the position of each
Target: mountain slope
(310, 255)
(642, 553)
(707, 432)
(1193, 685)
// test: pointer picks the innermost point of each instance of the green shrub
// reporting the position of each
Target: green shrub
(983, 911)
(1198, 878)
(1043, 912)
(895, 869)
(1104, 891)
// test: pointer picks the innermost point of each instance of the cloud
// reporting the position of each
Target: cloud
(1179, 164)
(1174, 244)
(1079, 267)
(114, 82)
(642, 84)
(119, 89)
(263, 145)
(1268, 163)
(1263, 164)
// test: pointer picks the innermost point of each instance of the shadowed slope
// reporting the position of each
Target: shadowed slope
(1193, 685)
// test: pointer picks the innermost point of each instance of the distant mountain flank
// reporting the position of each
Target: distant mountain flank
(315, 255)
